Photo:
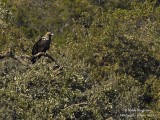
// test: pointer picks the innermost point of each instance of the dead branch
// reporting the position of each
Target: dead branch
(45, 55)
(19, 58)
(74, 105)
(25, 59)
(11, 54)
(6, 54)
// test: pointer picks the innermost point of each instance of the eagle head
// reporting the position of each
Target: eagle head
(48, 34)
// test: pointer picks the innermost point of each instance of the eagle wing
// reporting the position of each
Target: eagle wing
(40, 46)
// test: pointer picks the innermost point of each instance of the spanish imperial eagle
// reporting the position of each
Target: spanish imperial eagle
(41, 46)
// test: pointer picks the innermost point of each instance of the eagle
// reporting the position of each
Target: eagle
(42, 45)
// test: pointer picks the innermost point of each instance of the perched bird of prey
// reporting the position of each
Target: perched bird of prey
(41, 46)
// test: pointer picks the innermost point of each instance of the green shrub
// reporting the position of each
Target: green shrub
(108, 54)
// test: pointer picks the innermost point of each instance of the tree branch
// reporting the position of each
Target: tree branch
(25, 59)
(74, 105)
(6, 54)
(45, 55)
(12, 55)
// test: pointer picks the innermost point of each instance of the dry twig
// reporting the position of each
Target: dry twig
(74, 105)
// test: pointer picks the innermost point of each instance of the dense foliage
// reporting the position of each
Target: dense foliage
(108, 50)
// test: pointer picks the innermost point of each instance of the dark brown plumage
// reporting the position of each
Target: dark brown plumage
(41, 46)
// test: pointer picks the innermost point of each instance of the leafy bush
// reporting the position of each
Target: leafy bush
(108, 54)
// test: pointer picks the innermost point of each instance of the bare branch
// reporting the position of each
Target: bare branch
(45, 55)
(6, 54)
(19, 58)
(10, 54)
(25, 59)
(73, 105)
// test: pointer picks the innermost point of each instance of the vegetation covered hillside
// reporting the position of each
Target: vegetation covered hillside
(108, 52)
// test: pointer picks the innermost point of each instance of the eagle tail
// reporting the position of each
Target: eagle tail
(33, 60)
